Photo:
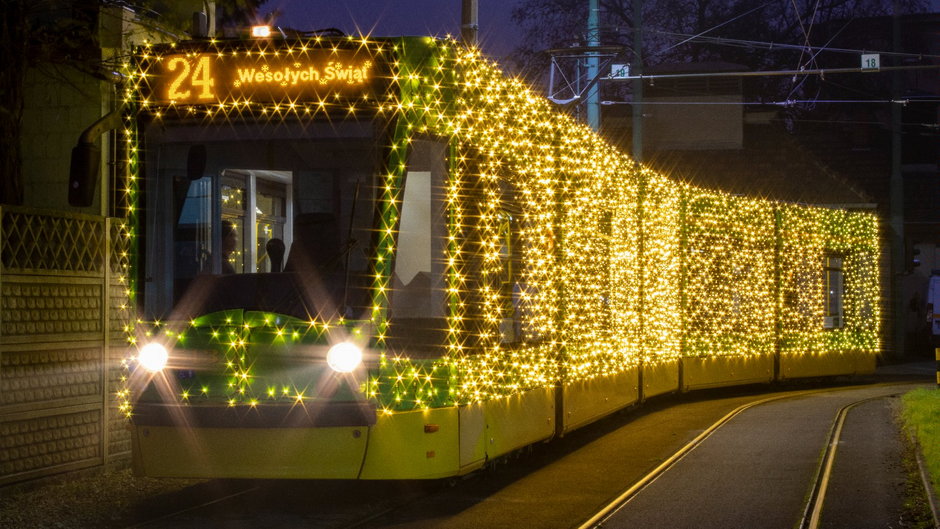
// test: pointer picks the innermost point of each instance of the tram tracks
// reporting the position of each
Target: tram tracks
(821, 479)
(314, 504)
(814, 507)
(612, 507)
(381, 504)
(166, 517)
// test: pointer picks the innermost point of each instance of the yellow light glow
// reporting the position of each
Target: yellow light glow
(261, 32)
(565, 260)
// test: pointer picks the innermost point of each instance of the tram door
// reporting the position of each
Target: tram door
(255, 206)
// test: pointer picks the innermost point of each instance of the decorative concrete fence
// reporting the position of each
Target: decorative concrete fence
(63, 311)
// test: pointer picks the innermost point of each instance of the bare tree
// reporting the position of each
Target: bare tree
(681, 31)
(64, 34)
(12, 41)
(38, 32)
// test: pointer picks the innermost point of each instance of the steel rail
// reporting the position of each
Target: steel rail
(615, 505)
(167, 516)
(620, 501)
(814, 506)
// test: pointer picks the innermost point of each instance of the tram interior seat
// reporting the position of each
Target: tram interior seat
(312, 279)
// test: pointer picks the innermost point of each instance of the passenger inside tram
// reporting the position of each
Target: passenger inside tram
(276, 220)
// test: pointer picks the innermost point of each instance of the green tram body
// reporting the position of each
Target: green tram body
(509, 275)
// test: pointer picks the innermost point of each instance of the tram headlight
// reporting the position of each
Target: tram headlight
(153, 357)
(261, 32)
(344, 357)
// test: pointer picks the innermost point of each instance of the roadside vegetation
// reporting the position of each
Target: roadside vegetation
(921, 415)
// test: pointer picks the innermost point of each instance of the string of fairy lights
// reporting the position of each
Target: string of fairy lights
(614, 266)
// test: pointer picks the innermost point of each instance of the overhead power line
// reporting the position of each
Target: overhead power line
(822, 72)
(702, 34)
(785, 103)
(781, 46)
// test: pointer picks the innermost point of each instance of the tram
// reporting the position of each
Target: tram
(380, 258)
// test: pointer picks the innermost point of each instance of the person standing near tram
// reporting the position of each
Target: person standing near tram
(933, 307)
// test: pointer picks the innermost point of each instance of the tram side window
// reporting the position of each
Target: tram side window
(834, 294)
(509, 287)
(417, 298)
(518, 292)
(605, 237)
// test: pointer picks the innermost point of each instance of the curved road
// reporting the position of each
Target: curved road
(759, 469)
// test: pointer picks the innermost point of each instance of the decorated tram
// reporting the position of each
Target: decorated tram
(380, 258)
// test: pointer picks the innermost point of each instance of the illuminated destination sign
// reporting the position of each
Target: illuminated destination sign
(207, 78)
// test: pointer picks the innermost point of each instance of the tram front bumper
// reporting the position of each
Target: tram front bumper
(275, 442)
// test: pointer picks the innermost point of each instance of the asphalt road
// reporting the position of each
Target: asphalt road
(755, 471)
(759, 469)
(868, 480)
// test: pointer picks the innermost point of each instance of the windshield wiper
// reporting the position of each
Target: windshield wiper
(350, 243)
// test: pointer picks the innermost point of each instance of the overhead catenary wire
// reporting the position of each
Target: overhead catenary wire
(815, 54)
(745, 43)
(814, 50)
(801, 73)
(726, 22)
(805, 32)
(786, 102)
(771, 73)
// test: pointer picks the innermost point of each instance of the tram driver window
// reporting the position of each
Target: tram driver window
(520, 242)
(235, 233)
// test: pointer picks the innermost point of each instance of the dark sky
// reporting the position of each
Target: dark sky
(498, 34)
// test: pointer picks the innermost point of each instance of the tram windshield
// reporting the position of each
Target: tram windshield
(268, 217)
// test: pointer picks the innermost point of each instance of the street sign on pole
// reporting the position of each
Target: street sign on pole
(871, 61)
(619, 71)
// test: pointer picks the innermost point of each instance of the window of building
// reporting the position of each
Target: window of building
(255, 209)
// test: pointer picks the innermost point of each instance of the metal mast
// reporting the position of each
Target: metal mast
(470, 22)
(637, 69)
(593, 63)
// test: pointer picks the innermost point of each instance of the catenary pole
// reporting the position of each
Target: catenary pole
(898, 266)
(470, 21)
(637, 69)
(593, 63)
